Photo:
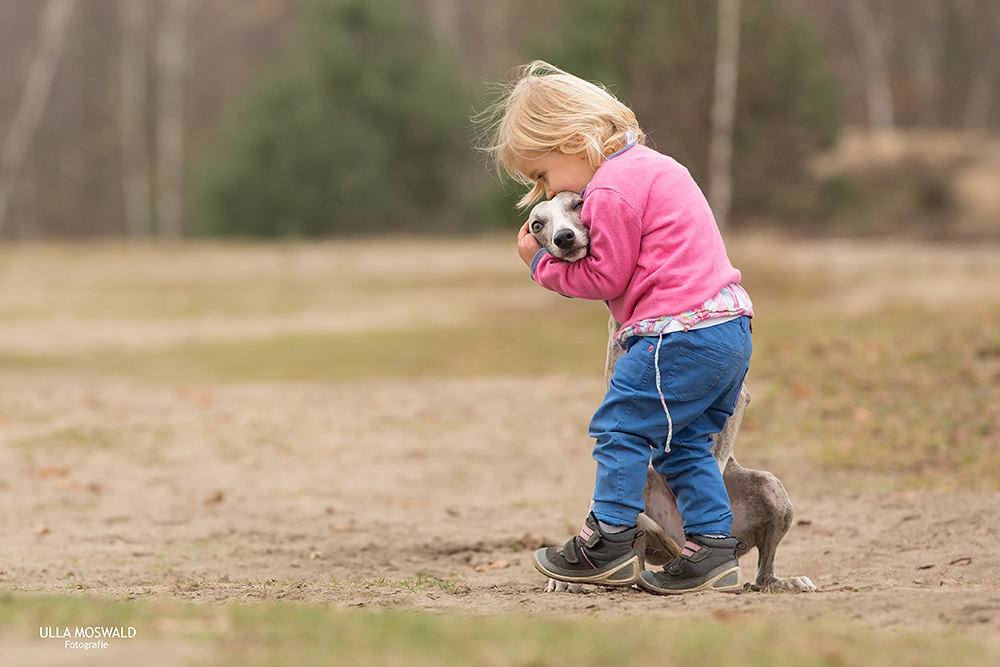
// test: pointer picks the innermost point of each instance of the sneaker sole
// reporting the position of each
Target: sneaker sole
(614, 575)
(729, 580)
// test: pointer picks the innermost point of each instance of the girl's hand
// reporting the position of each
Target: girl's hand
(527, 245)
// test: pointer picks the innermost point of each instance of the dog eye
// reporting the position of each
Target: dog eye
(536, 226)
(578, 205)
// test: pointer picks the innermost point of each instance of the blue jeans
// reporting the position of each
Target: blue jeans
(702, 372)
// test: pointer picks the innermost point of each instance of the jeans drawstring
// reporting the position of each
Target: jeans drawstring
(659, 390)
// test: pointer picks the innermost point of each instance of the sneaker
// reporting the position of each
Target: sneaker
(705, 564)
(593, 557)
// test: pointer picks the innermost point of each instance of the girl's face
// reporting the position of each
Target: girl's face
(557, 171)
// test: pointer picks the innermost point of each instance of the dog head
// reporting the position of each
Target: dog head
(556, 226)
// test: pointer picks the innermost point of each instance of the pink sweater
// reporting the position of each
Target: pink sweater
(655, 249)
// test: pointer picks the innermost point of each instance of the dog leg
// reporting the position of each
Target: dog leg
(662, 523)
(762, 515)
(725, 440)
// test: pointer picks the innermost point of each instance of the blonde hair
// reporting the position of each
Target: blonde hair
(542, 109)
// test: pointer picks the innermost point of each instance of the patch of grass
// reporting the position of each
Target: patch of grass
(418, 582)
(161, 282)
(21, 362)
(519, 344)
(75, 438)
(314, 635)
(902, 391)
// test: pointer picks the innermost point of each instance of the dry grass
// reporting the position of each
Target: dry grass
(872, 355)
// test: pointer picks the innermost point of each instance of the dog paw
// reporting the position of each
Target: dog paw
(787, 585)
(562, 587)
(801, 584)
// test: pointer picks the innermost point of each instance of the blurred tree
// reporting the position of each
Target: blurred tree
(132, 83)
(361, 133)
(36, 95)
(720, 148)
(940, 59)
(659, 57)
(878, 85)
(170, 120)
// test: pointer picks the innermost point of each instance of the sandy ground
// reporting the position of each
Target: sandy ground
(420, 494)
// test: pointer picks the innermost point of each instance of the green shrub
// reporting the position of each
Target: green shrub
(362, 132)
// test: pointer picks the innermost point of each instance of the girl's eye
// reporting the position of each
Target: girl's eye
(536, 226)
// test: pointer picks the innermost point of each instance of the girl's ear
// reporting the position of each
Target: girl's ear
(574, 144)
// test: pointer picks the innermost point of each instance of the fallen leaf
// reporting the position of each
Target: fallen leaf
(532, 541)
(495, 565)
(51, 471)
(314, 554)
(215, 498)
(964, 560)
(726, 615)
(70, 485)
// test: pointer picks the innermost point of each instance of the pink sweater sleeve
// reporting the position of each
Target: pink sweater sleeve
(615, 233)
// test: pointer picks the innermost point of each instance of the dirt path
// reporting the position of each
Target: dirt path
(415, 495)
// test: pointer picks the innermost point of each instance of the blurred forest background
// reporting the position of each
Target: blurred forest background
(311, 118)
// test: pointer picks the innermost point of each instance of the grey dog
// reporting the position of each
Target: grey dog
(762, 511)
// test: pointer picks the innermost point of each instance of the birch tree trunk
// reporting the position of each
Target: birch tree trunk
(977, 107)
(874, 65)
(52, 38)
(979, 24)
(720, 154)
(131, 117)
(444, 16)
(170, 120)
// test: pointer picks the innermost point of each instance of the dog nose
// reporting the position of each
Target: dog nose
(564, 238)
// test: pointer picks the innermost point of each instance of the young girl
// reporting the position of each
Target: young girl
(658, 260)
